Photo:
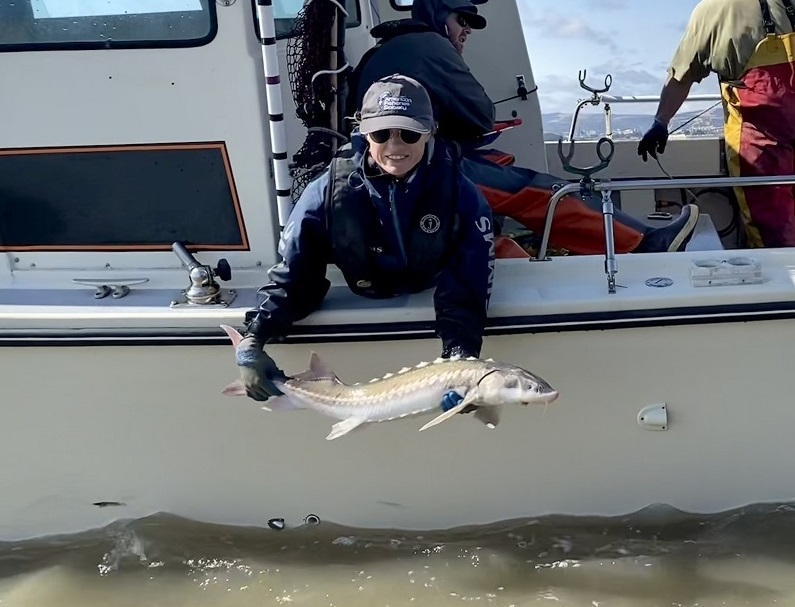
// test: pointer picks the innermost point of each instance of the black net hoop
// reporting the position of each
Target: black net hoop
(309, 54)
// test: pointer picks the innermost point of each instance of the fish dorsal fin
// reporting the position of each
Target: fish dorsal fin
(318, 369)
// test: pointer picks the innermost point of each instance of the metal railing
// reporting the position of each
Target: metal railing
(587, 185)
(598, 97)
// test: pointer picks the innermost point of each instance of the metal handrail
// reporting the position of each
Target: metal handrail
(607, 186)
(651, 98)
(597, 99)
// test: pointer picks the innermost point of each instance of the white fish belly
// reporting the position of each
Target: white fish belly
(411, 403)
(374, 407)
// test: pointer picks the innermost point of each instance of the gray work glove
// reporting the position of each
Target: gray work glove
(257, 369)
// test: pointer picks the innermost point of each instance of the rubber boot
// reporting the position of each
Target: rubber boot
(673, 236)
(576, 226)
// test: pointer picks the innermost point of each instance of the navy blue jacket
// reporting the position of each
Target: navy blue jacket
(420, 49)
(298, 284)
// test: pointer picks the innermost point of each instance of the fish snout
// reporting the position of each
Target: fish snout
(550, 396)
(542, 395)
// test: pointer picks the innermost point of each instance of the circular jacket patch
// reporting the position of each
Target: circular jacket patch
(430, 223)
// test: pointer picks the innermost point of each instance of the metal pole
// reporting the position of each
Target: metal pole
(652, 98)
(334, 125)
(650, 184)
(691, 182)
(273, 91)
(551, 205)
(611, 266)
(337, 46)
(574, 117)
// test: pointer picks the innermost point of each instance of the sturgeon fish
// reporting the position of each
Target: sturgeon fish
(485, 385)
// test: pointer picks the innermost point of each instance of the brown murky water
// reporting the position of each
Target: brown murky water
(658, 557)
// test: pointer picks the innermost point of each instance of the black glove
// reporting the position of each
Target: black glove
(653, 141)
(258, 369)
(463, 352)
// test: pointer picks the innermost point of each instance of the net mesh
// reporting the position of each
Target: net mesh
(309, 51)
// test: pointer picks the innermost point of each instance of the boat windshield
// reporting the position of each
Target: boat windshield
(84, 24)
(87, 24)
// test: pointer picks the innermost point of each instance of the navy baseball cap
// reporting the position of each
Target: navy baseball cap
(396, 102)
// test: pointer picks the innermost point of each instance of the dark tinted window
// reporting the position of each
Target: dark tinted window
(82, 24)
(121, 197)
(401, 5)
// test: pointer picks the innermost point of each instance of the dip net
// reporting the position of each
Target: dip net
(316, 70)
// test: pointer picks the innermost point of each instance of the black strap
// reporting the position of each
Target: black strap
(770, 27)
(790, 8)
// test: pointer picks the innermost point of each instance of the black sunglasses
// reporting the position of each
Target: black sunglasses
(461, 19)
(383, 135)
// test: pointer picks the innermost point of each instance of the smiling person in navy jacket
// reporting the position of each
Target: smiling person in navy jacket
(394, 213)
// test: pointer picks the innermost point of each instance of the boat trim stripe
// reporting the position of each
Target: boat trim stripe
(418, 330)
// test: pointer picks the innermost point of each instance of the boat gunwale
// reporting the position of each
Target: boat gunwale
(411, 330)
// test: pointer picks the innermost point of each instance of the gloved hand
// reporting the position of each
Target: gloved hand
(450, 400)
(449, 351)
(257, 369)
(653, 141)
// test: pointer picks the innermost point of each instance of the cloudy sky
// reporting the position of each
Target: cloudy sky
(633, 40)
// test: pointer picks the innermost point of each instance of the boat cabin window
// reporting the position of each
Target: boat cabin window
(286, 11)
(88, 24)
(401, 5)
(125, 198)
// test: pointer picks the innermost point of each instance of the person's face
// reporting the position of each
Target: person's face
(457, 30)
(397, 151)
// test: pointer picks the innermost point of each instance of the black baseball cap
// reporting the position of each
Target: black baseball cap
(469, 11)
(396, 102)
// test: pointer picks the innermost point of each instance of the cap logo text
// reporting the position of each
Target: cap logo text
(387, 102)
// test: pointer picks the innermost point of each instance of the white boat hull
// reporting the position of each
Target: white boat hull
(112, 408)
(146, 426)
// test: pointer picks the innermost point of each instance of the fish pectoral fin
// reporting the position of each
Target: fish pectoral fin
(488, 415)
(468, 400)
(346, 425)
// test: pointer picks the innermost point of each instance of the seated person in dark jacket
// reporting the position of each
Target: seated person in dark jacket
(429, 47)
(396, 216)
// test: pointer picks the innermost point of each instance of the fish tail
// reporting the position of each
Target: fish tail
(236, 388)
(233, 334)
